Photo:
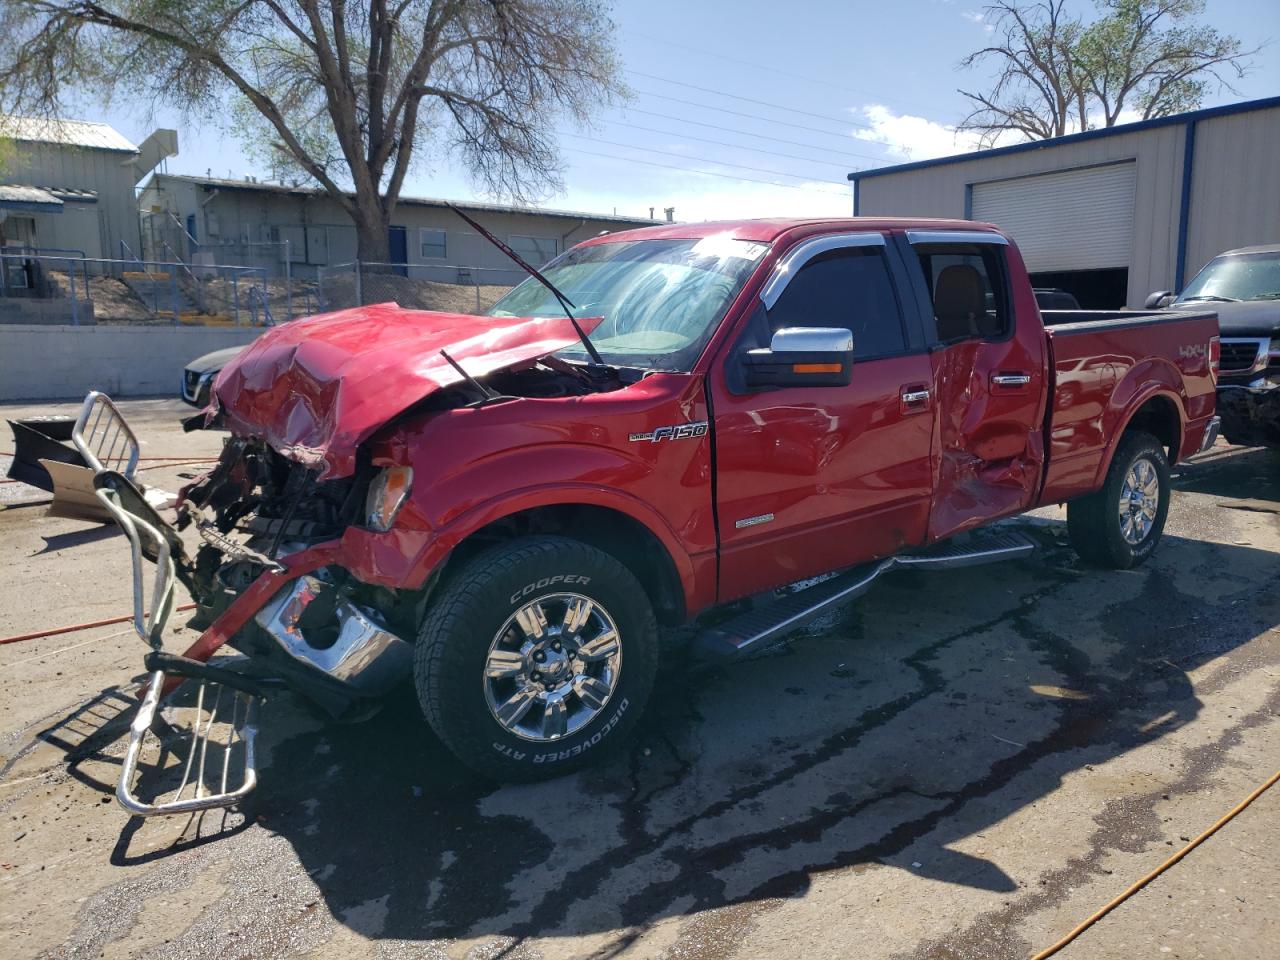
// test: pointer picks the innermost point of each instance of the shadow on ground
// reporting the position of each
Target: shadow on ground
(937, 706)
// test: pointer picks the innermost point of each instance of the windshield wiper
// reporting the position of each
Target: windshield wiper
(565, 303)
(1215, 299)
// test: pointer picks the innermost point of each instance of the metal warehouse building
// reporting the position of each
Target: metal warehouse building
(1110, 215)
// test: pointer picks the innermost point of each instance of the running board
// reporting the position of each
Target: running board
(757, 628)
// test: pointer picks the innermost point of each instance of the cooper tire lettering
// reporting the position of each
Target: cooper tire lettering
(565, 578)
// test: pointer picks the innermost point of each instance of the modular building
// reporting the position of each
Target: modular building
(68, 185)
(253, 223)
(1110, 215)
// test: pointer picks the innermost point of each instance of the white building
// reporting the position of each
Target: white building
(68, 185)
(248, 222)
(1110, 215)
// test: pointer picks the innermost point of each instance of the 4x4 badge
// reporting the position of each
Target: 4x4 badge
(680, 431)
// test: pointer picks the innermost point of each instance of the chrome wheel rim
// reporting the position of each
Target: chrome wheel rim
(552, 667)
(1139, 501)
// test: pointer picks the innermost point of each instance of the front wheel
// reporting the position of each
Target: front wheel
(536, 658)
(1120, 525)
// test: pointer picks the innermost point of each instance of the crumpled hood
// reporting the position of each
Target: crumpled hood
(316, 388)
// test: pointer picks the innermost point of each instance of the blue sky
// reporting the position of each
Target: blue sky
(863, 83)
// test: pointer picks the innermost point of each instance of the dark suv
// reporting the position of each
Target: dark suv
(1244, 287)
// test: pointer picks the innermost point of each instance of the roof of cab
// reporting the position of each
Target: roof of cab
(769, 230)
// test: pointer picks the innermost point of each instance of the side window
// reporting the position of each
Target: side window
(966, 283)
(847, 288)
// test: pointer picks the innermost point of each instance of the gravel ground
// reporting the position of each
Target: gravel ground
(962, 764)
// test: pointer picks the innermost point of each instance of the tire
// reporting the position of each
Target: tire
(1100, 532)
(476, 650)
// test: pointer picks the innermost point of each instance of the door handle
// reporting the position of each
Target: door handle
(914, 399)
(1010, 379)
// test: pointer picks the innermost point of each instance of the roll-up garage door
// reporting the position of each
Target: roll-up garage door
(1070, 220)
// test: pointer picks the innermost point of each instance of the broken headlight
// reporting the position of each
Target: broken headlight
(387, 494)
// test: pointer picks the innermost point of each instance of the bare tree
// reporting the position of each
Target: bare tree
(1055, 73)
(341, 90)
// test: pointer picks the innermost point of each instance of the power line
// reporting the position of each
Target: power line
(749, 116)
(762, 103)
(757, 66)
(735, 146)
(757, 136)
(686, 156)
(708, 173)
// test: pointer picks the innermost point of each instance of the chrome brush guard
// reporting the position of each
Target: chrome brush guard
(106, 442)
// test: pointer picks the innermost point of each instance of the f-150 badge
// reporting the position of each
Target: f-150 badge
(679, 431)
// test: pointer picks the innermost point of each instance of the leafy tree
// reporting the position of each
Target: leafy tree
(1057, 73)
(344, 91)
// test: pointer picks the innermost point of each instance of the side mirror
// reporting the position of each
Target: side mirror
(802, 357)
(1161, 298)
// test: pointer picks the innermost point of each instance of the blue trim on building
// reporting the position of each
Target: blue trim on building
(1184, 209)
(1182, 118)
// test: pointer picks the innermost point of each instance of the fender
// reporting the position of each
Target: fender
(1144, 382)
(436, 550)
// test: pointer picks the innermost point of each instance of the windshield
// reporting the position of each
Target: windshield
(660, 299)
(1254, 276)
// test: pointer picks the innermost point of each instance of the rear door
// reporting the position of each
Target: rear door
(810, 479)
(989, 378)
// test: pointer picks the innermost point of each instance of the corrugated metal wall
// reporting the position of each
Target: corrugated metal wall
(1235, 198)
(1235, 185)
(82, 168)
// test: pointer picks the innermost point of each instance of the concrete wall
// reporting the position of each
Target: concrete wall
(65, 362)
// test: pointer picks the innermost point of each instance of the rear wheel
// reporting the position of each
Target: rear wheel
(537, 656)
(1120, 525)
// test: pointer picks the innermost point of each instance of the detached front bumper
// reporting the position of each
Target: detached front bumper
(296, 620)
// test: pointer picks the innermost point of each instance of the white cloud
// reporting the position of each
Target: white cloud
(910, 137)
(979, 18)
(913, 138)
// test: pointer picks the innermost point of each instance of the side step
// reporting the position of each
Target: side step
(757, 628)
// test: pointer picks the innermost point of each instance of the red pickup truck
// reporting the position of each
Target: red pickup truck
(506, 513)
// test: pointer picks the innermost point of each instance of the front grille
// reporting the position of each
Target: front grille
(190, 383)
(1238, 355)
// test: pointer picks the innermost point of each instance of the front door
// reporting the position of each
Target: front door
(989, 381)
(811, 479)
(398, 244)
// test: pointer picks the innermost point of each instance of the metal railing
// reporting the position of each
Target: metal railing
(445, 287)
(77, 289)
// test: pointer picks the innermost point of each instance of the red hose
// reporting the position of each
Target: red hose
(81, 626)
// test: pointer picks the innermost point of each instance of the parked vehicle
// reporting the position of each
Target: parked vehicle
(199, 374)
(1244, 287)
(477, 504)
(1051, 298)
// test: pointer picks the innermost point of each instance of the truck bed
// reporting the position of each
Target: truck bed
(1100, 363)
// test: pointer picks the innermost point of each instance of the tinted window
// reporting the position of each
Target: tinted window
(966, 282)
(847, 288)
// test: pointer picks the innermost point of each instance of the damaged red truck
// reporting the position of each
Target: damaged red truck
(478, 505)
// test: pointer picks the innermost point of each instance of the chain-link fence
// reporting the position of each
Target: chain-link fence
(40, 286)
(451, 289)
